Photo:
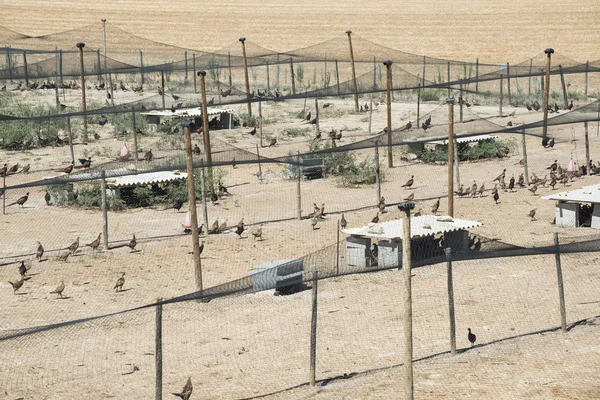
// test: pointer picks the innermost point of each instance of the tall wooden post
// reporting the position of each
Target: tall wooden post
(374, 73)
(4, 194)
(313, 329)
(243, 41)
(450, 102)
(142, 79)
(277, 73)
(564, 87)
(501, 95)
(158, 361)
(162, 87)
(203, 196)
(450, 285)
(370, 113)
(561, 289)
(449, 89)
(388, 69)
(192, 203)
(70, 138)
(337, 250)
(194, 71)
(460, 102)
(205, 130)
(587, 68)
(547, 91)
(99, 69)
(337, 77)
(530, 73)
(135, 138)
(525, 165)
(185, 63)
(423, 80)
(25, 68)
(317, 114)
(418, 106)
(260, 123)
(377, 173)
(508, 83)
(229, 65)
(80, 46)
(260, 178)
(10, 66)
(477, 76)
(104, 208)
(298, 191)
(268, 78)
(349, 33)
(292, 75)
(408, 334)
(587, 147)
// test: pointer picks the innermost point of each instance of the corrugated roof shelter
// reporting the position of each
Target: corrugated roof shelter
(578, 207)
(424, 225)
(220, 118)
(145, 179)
(468, 139)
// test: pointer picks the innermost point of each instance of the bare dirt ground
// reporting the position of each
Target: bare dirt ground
(252, 345)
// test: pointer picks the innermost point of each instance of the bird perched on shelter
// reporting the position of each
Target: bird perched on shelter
(20, 201)
(59, 289)
(375, 219)
(187, 390)
(471, 336)
(120, 282)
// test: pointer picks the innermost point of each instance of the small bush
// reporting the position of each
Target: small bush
(482, 150)
(431, 94)
(295, 132)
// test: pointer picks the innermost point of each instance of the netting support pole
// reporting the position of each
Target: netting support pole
(162, 88)
(243, 41)
(349, 33)
(205, 130)
(448, 251)
(81, 45)
(203, 197)
(4, 194)
(70, 139)
(377, 173)
(547, 90)
(192, 204)
(370, 113)
(525, 165)
(229, 64)
(587, 68)
(337, 77)
(508, 83)
(423, 80)
(313, 329)
(388, 69)
(337, 250)
(25, 69)
(456, 163)
(292, 75)
(450, 102)
(260, 122)
(561, 289)
(501, 95)
(268, 78)
(374, 73)
(56, 81)
(325, 84)
(135, 138)
(158, 351)
(60, 71)
(564, 87)
(104, 208)
(298, 190)
(407, 314)
(142, 67)
(587, 147)
(194, 72)
(277, 73)
(317, 115)
(530, 73)
(477, 76)
(449, 89)
(185, 63)
(259, 175)
(99, 69)
(460, 103)
(418, 105)
(9, 59)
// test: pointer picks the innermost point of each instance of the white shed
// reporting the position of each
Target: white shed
(579, 207)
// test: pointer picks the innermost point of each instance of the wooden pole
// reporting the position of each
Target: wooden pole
(388, 69)
(377, 173)
(292, 75)
(349, 33)
(408, 334)
(587, 68)
(243, 41)
(317, 114)
(162, 87)
(277, 73)
(135, 138)
(260, 178)
(142, 67)
(370, 113)
(449, 90)
(530, 73)
(70, 139)
(204, 207)
(205, 130)
(477, 76)
(25, 67)
(418, 106)
(104, 208)
(508, 83)
(185, 62)
(587, 147)
(501, 95)
(313, 329)
(460, 102)
(525, 165)
(194, 71)
(561, 289)
(192, 203)
(337, 77)
(564, 87)
(325, 80)
(268, 78)
(56, 82)
(547, 91)
(450, 102)
(260, 122)
(451, 301)
(4, 194)
(60, 70)
(423, 81)
(81, 45)
(337, 250)
(99, 69)
(374, 73)
(10, 66)
(456, 163)
(298, 190)
(158, 361)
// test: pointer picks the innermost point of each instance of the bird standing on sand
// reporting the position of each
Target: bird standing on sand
(410, 197)
(177, 204)
(533, 189)
(436, 207)
(257, 232)
(22, 269)
(381, 205)
(66, 170)
(187, 390)
(17, 285)
(132, 243)
(96, 243)
(343, 222)
(375, 219)
(471, 336)
(20, 201)
(40, 252)
(239, 228)
(59, 289)
(409, 183)
(74, 246)
(496, 196)
(501, 176)
(532, 214)
(47, 198)
(273, 142)
(120, 282)
(314, 222)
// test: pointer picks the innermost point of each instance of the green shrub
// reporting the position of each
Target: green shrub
(482, 150)
(431, 94)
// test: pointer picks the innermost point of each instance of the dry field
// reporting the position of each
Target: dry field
(258, 344)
